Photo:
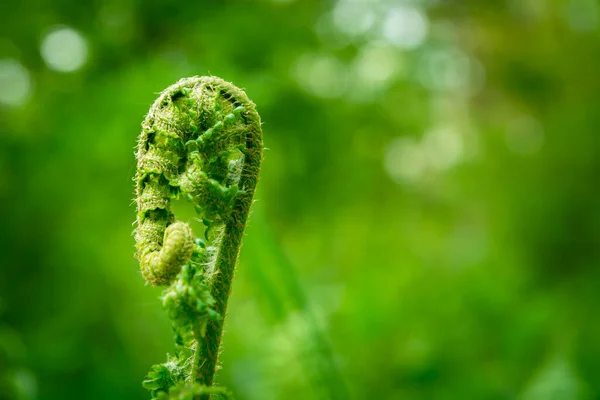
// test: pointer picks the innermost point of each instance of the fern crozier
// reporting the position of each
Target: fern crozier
(202, 140)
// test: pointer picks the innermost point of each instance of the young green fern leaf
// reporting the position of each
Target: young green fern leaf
(201, 140)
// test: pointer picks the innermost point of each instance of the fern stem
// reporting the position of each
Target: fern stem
(220, 287)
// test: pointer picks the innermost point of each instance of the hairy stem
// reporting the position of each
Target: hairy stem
(208, 349)
(220, 287)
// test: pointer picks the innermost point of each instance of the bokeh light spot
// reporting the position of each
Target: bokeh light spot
(15, 83)
(444, 148)
(524, 135)
(405, 27)
(376, 65)
(582, 15)
(352, 18)
(375, 68)
(404, 160)
(64, 50)
(445, 70)
(323, 75)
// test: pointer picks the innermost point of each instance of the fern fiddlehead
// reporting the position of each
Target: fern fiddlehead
(202, 140)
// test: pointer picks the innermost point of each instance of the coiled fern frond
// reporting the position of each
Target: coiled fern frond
(201, 140)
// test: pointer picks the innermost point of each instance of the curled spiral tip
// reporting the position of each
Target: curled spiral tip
(160, 267)
(202, 139)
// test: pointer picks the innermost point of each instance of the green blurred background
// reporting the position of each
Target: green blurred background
(427, 223)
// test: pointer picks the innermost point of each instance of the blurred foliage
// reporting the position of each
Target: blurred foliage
(427, 223)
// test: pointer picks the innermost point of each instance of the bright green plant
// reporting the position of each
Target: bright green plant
(201, 140)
